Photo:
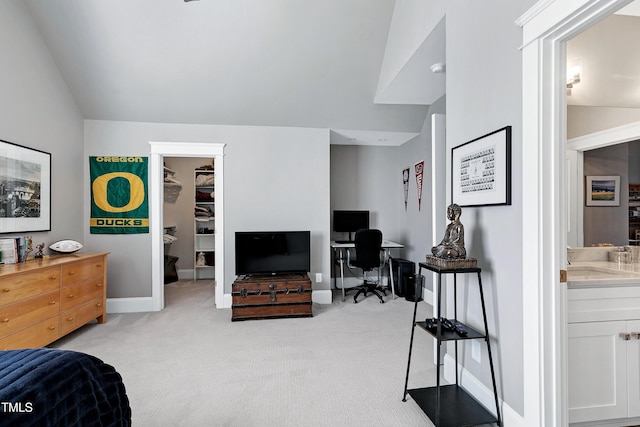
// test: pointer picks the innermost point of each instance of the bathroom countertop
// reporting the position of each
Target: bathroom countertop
(602, 273)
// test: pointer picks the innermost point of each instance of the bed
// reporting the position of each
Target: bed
(51, 387)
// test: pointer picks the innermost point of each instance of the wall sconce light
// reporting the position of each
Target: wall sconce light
(573, 76)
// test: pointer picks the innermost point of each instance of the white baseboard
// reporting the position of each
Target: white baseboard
(185, 274)
(484, 395)
(324, 296)
(145, 304)
(226, 302)
(129, 305)
(427, 296)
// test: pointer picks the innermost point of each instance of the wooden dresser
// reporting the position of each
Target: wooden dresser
(43, 300)
(269, 297)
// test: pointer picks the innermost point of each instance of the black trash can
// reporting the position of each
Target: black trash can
(170, 273)
(400, 269)
(413, 287)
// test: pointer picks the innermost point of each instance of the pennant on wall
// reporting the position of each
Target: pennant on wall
(119, 202)
(405, 184)
(419, 172)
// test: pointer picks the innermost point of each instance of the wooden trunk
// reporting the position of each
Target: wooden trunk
(268, 297)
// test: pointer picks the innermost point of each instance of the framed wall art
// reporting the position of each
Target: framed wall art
(25, 189)
(481, 170)
(602, 190)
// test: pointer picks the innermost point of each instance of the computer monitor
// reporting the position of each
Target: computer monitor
(350, 221)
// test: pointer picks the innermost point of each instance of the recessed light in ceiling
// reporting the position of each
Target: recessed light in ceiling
(438, 68)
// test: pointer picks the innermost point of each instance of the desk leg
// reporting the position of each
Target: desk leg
(393, 292)
(342, 274)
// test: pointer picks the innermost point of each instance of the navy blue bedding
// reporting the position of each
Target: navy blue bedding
(50, 387)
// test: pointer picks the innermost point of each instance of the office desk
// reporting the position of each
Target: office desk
(338, 253)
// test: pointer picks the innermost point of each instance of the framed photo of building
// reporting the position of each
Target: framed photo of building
(602, 190)
(481, 170)
(25, 189)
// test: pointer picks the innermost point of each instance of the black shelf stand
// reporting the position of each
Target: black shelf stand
(451, 405)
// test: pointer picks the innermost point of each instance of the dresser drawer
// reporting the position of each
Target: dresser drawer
(15, 317)
(79, 316)
(82, 270)
(22, 286)
(38, 335)
(79, 293)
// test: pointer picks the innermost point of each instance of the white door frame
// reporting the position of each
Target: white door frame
(156, 201)
(546, 27)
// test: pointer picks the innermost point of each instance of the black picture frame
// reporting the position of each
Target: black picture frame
(25, 189)
(481, 170)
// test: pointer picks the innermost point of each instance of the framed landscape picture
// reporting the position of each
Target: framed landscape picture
(25, 189)
(481, 170)
(602, 190)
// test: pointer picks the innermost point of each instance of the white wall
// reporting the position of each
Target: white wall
(583, 120)
(608, 224)
(275, 178)
(37, 111)
(484, 93)
(416, 234)
(362, 177)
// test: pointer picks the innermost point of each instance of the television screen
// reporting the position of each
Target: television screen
(273, 252)
(350, 221)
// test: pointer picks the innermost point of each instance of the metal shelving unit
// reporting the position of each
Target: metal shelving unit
(204, 225)
(450, 405)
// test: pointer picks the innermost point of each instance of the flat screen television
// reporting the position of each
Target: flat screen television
(273, 252)
(350, 221)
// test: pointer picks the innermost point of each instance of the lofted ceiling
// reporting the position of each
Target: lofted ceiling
(301, 63)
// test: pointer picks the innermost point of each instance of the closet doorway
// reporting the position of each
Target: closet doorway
(206, 151)
(189, 233)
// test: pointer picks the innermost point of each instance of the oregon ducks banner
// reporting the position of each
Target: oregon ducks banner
(119, 202)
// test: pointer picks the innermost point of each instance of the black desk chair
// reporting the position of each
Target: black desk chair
(368, 248)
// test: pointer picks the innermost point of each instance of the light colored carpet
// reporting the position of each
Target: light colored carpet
(189, 365)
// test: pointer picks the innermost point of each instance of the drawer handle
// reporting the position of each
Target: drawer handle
(70, 296)
(625, 336)
(52, 302)
(99, 285)
(6, 290)
(52, 328)
(71, 273)
(98, 304)
(5, 320)
(70, 319)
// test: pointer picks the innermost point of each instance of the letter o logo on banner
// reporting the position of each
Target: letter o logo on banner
(136, 195)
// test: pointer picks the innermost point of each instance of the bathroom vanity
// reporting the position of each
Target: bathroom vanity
(603, 366)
